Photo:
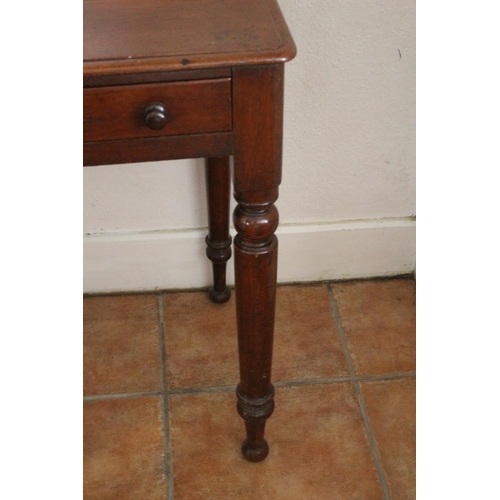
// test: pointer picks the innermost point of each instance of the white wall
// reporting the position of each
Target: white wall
(347, 201)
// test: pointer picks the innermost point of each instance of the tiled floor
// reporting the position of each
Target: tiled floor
(160, 417)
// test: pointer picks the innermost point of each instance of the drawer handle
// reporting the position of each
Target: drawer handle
(155, 115)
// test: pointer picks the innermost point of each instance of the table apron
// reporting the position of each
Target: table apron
(157, 148)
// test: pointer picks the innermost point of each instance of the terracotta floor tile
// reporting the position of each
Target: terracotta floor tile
(307, 343)
(318, 448)
(391, 409)
(121, 344)
(201, 342)
(379, 323)
(202, 345)
(123, 449)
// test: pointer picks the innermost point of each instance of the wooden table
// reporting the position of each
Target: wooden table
(169, 79)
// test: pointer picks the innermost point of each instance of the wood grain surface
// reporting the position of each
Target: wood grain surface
(165, 35)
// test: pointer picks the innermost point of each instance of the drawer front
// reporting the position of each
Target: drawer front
(160, 109)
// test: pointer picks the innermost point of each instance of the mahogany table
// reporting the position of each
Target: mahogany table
(170, 79)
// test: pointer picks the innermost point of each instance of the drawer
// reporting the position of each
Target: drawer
(159, 109)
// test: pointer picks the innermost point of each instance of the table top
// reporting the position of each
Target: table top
(136, 36)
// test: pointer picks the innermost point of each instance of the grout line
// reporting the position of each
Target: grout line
(101, 397)
(282, 383)
(166, 403)
(311, 381)
(349, 378)
(359, 396)
(385, 376)
(202, 390)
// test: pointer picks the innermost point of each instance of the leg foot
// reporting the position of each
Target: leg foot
(219, 297)
(255, 454)
(255, 412)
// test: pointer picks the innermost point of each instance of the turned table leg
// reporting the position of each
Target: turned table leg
(218, 240)
(258, 123)
(256, 259)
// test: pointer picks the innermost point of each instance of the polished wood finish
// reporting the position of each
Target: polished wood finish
(156, 116)
(258, 118)
(218, 240)
(168, 79)
(198, 106)
(131, 36)
(157, 148)
(157, 77)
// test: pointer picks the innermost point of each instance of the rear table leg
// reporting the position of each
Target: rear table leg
(218, 239)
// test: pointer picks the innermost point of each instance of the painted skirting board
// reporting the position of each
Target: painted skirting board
(313, 252)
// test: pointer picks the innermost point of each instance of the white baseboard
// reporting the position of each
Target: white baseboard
(176, 259)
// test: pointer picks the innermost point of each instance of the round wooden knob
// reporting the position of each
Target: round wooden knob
(155, 115)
